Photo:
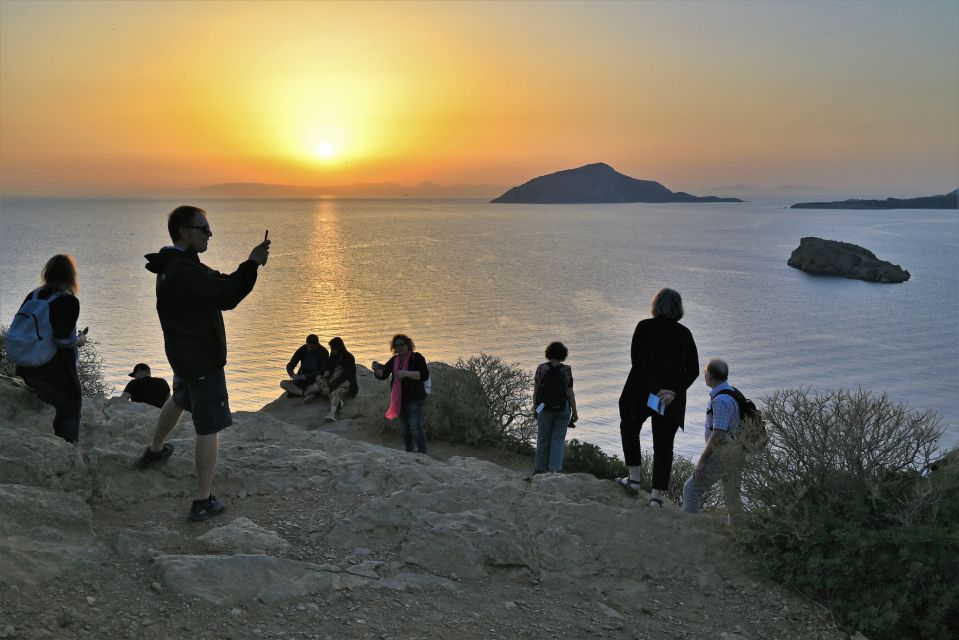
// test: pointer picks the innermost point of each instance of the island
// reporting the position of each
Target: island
(844, 259)
(947, 201)
(594, 184)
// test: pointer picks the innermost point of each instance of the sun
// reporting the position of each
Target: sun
(325, 150)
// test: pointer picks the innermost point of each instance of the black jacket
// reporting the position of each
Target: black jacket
(664, 356)
(413, 390)
(320, 354)
(347, 364)
(190, 300)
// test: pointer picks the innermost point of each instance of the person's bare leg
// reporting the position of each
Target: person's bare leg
(169, 417)
(290, 387)
(205, 458)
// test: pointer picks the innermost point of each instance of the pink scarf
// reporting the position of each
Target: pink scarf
(396, 393)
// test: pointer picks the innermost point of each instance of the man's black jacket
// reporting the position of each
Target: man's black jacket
(190, 300)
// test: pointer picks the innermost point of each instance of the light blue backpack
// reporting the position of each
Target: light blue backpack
(29, 341)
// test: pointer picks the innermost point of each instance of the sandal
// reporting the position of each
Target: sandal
(628, 483)
(657, 501)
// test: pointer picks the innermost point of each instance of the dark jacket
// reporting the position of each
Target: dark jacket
(302, 357)
(190, 300)
(148, 390)
(664, 356)
(347, 364)
(413, 390)
(61, 372)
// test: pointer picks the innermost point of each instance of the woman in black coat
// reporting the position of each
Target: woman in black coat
(57, 382)
(664, 363)
(407, 390)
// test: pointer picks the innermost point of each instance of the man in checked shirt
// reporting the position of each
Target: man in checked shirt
(718, 462)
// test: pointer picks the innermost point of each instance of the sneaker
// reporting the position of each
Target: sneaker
(200, 510)
(330, 418)
(150, 458)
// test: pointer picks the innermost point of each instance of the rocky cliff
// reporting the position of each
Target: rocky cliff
(326, 537)
(596, 183)
(834, 258)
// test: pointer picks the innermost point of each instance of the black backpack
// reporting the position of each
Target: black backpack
(552, 390)
(751, 434)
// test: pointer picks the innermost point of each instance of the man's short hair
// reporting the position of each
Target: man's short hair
(667, 303)
(718, 369)
(182, 216)
(312, 339)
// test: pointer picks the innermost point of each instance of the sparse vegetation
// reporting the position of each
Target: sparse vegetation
(841, 506)
(93, 382)
(508, 389)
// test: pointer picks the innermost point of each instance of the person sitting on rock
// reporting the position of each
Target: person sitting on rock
(339, 379)
(145, 388)
(407, 393)
(313, 359)
(717, 462)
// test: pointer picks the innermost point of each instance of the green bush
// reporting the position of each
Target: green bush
(509, 395)
(583, 457)
(841, 506)
(93, 382)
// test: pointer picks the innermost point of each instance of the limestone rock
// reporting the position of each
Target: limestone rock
(455, 410)
(244, 536)
(244, 579)
(135, 542)
(42, 534)
(834, 258)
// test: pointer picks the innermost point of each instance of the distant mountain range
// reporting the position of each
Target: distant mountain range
(596, 183)
(259, 190)
(947, 201)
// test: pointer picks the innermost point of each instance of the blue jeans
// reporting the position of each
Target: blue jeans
(551, 439)
(414, 433)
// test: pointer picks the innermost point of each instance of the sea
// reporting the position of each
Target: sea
(463, 277)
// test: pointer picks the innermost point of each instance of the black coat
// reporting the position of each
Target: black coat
(191, 298)
(412, 390)
(664, 356)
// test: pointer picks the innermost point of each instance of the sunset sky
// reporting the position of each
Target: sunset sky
(110, 97)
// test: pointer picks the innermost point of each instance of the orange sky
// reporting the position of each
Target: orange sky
(120, 97)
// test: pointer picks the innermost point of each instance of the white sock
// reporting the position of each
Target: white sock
(634, 473)
(656, 494)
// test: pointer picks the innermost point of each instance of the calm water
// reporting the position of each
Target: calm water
(464, 276)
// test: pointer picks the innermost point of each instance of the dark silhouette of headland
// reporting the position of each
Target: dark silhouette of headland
(946, 201)
(596, 183)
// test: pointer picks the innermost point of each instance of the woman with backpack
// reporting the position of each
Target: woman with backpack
(554, 408)
(408, 368)
(665, 364)
(55, 381)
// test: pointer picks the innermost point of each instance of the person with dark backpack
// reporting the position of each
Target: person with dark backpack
(554, 408)
(721, 459)
(42, 341)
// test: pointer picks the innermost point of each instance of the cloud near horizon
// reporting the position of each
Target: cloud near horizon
(101, 97)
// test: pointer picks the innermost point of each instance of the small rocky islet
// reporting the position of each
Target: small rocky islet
(844, 259)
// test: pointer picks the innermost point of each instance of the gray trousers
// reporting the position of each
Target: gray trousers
(724, 470)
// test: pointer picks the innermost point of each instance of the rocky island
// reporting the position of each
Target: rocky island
(594, 184)
(844, 259)
(329, 535)
(946, 201)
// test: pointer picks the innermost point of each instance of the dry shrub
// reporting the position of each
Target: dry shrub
(508, 389)
(93, 382)
(841, 506)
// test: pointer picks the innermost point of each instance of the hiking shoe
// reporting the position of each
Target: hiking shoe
(200, 510)
(150, 458)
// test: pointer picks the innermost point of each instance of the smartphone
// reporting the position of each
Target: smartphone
(85, 330)
(266, 235)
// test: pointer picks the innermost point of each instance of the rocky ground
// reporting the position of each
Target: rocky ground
(331, 537)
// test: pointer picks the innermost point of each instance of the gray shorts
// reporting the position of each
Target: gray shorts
(205, 397)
